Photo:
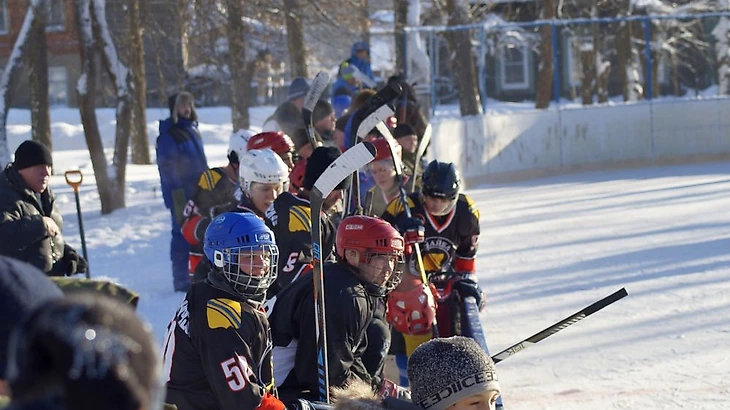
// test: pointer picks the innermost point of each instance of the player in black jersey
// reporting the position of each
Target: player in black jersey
(446, 224)
(290, 219)
(218, 346)
(368, 250)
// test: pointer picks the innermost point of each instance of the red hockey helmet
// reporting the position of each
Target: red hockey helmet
(383, 151)
(277, 141)
(412, 312)
(296, 176)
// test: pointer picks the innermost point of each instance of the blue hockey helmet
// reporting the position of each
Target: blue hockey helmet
(244, 248)
(341, 103)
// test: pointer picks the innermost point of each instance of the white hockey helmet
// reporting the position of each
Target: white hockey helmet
(237, 144)
(263, 166)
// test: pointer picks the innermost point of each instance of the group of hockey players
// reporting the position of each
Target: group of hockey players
(244, 336)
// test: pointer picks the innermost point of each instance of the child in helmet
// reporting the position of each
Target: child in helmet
(368, 250)
(382, 169)
(446, 224)
(218, 345)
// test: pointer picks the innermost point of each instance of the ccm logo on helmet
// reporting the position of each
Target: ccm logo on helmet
(353, 227)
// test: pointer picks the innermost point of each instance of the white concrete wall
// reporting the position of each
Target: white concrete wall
(497, 146)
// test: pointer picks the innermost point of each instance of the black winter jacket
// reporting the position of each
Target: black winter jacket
(23, 234)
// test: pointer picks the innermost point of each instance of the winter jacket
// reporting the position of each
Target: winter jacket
(180, 160)
(362, 65)
(287, 118)
(342, 87)
(23, 233)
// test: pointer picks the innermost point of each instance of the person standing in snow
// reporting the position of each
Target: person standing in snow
(288, 116)
(30, 225)
(180, 160)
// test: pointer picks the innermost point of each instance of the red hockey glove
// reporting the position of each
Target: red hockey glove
(390, 389)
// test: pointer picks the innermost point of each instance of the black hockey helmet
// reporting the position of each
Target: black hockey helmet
(441, 180)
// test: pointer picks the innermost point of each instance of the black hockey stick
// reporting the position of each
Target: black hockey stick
(555, 328)
(351, 160)
(422, 145)
(475, 330)
(319, 83)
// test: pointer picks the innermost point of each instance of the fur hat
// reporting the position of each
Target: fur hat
(88, 350)
(445, 370)
(23, 287)
(178, 99)
(31, 153)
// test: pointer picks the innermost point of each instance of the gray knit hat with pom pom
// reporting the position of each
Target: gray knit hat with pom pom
(443, 371)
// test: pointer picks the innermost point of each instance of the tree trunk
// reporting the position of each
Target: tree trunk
(464, 69)
(545, 73)
(365, 22)
(627, 72)
(400, 8)
(37, 59)
(8, 77)
(295, 39)
(140, 140)
(588, 53)
(237, 64)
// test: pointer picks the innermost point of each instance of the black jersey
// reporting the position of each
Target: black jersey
(218, 351)
(451, 239)
(349, 311)
(290, 219)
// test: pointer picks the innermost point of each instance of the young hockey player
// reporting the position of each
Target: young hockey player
(386, 186)
(263, 176)
(218, 346)
(447, 225)
(278, 142)
(368, 250)
(290, 219)
(453, 373)
(217, 191)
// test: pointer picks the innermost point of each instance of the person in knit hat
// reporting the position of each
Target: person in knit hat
(30, 225)
(85, 351)
(22, 288)
(324, 121)
(180, 160)
(288, 115)
(453, 373)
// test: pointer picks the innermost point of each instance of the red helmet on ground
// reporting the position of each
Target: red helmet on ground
(412, 312)
(277, 141)
(383, 151)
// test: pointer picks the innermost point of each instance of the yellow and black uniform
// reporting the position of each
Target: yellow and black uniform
(290, 219)
(214, 194)
(451, 240)
(218, 351)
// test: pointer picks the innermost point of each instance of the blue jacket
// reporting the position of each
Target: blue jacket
(180, 158)
(362, 65)
(353, 90)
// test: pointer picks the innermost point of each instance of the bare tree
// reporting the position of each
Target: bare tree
(400, 12)
(37, 60)
(237, 64)
(545, 73)
(9, 75)
(94, 35)
(140, 140)
(465, 69)
(295, 39)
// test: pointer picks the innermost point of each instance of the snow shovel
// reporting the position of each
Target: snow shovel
(74, 179)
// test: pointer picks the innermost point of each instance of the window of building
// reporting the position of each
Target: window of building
(3, 17)
(514, 65)
(57, 86)
(56, 19)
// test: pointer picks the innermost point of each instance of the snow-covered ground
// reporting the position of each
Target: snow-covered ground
(549, 247)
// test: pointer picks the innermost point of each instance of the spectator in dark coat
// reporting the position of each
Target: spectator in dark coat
(288, 116)
(181, 160)
(30, 225)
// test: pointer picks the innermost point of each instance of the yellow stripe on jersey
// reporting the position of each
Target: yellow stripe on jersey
(300, 219)
(472, 207)
(209, 179)
(396, 206)
(223, 313)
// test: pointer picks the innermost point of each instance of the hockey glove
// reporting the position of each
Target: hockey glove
(413, 231)
(390, 389)
(466, 284)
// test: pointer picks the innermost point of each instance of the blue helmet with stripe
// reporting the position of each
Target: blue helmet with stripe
(244, 249)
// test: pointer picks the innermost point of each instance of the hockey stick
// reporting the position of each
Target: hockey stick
(351, 160)
(555, 328)
(422, 145)
(310, 101)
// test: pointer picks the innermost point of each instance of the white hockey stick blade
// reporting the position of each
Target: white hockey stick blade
(319, 83)
(372, 120)
(425, 140)
(347, 163)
